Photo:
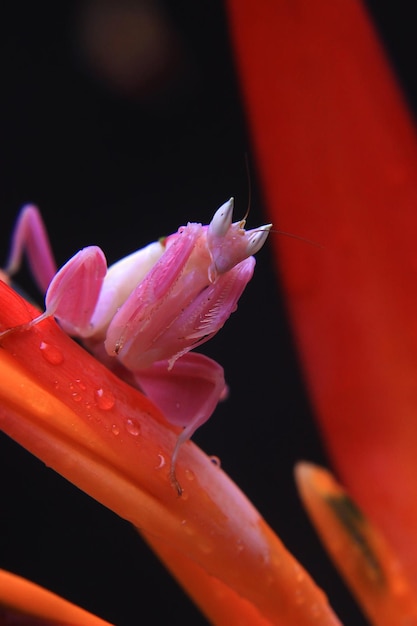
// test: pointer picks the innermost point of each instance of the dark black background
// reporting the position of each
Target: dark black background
(118, 167)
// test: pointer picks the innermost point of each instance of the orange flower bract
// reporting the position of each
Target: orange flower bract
(337, 152)
(108, 439)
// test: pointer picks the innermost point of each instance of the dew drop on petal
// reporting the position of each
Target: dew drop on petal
(205, 548)
(51, 353)
(115, 429)
(300, 576)
(215, 460)
(161, 462)
(239, 546)
(300, 597)
(105, 399)
(132, 427)
(189, 474)
(81, 385)
(76, 396)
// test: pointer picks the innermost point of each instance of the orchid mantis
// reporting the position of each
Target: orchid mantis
(143, 315)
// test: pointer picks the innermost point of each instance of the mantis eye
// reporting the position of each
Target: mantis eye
(257, 239)
(222, 219)
(229, 243)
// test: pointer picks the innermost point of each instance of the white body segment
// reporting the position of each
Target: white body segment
(121, 279)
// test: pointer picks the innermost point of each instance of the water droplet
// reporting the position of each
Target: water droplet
(76, 397)
(133, 427)
(215, 460)
(105, 399)
(81, 385)
(189, 474)
(300, 576)
(205, 548)
(115, 429)
(300, 597)
(51, 353)
(239, 546)
(161, 463)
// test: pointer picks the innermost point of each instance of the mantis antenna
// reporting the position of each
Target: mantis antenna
(277, 232)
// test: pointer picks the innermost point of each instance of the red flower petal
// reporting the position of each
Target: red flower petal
(109, 440)
(25, 604)
(338, 156)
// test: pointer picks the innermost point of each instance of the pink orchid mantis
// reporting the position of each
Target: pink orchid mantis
(144, 314)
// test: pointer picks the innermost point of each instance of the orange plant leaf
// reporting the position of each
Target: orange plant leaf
(109, 440)
(359, 551)
(338, 157)
(21, 599)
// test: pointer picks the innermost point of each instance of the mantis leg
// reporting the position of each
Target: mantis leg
(187, 394)
(30, 237)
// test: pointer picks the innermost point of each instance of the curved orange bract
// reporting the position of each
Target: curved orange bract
(110, 441)
(22, 598)
(338, 158)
